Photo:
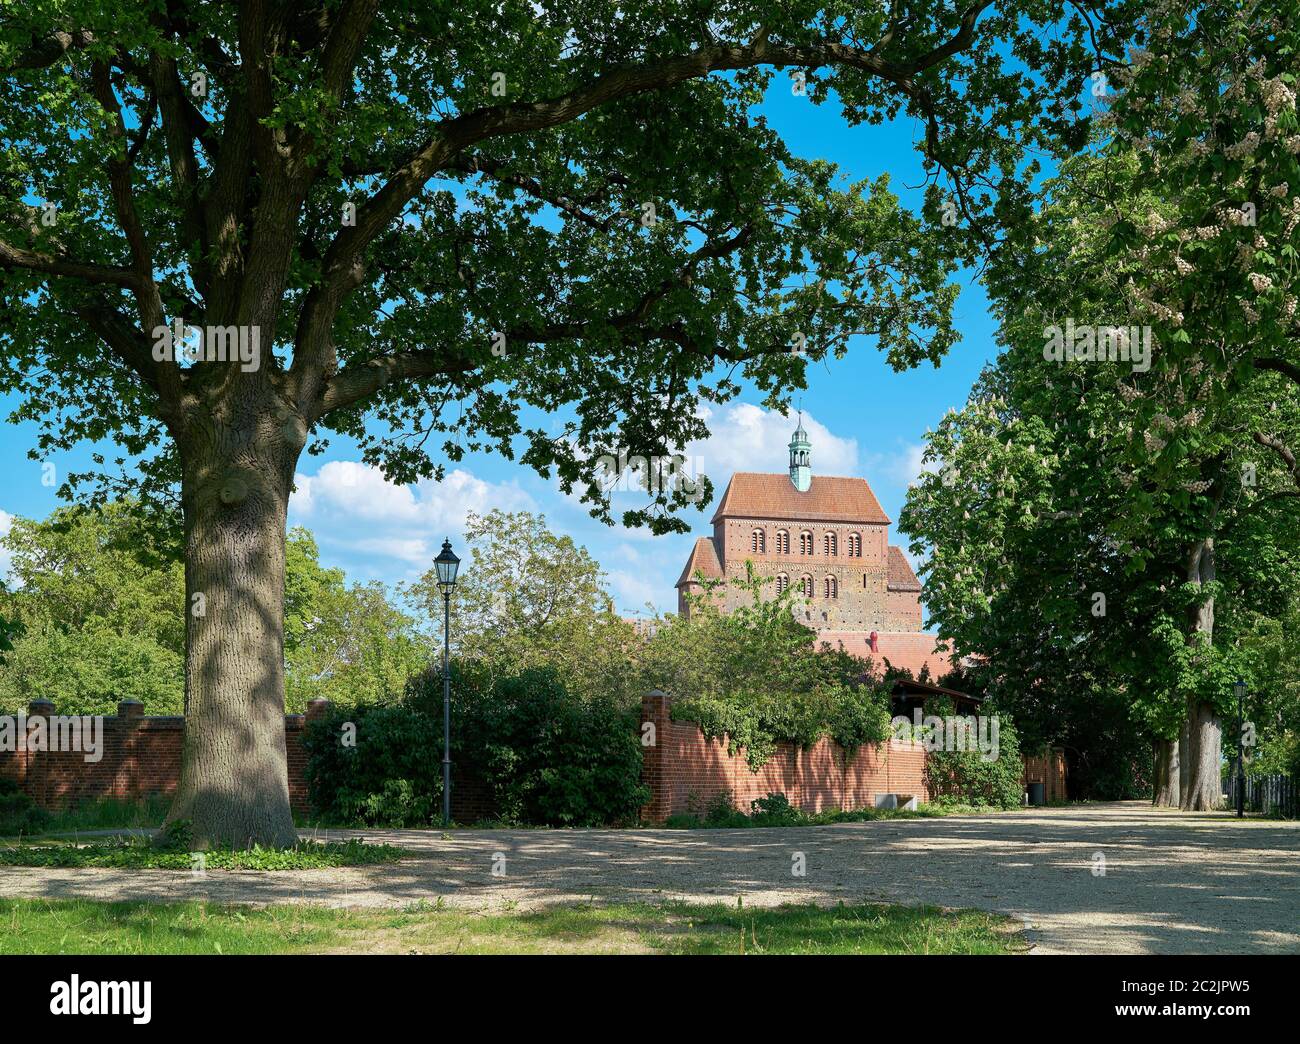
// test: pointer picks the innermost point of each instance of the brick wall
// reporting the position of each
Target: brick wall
(142, 757)
(686, 772)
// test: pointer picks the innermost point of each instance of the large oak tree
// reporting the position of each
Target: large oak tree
(433, 214)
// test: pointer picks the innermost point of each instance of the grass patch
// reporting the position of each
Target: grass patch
(776, 811)
(110, 814)
(31, 926)
(171, 852)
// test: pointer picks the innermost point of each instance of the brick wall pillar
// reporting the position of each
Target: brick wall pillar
(317, 708)
(130, 716)
(37, 761)
(654, 711)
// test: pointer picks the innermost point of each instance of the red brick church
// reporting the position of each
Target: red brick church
(826, 537)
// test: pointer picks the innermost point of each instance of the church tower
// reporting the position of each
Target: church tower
(800, 459)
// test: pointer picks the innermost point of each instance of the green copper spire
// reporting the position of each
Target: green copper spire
(800, 458)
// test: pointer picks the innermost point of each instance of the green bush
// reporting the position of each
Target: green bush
(965, 777)
(546, 756)
(378, 765)
(18, 813)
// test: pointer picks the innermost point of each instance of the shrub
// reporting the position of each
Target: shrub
(545, 755)
(375, 765)
(18, 813)
(756, 677)
(964, 776)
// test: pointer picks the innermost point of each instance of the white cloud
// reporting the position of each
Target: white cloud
(906, 466)
(351, 505)
(744, 437)
(633, 590)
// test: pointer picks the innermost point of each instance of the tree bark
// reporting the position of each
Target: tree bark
(1205, 784)
(1184, 758)
(1167, 791)
(237, 475)
(1200, 760)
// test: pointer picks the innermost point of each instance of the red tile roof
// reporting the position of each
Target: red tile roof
(704, 559)
(910, 649)
(829, 499)
(901, 576)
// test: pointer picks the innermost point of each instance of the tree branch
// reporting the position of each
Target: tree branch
(49, 50)
(1282, 366)
(1283, 451)
(342, 268)
(57, 265)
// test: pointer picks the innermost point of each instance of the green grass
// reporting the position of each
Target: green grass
(148, 853)
(31, 926)
(110, 814)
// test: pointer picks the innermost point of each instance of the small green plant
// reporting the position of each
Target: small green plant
(170, 850)
(18, 813)
(775, 810)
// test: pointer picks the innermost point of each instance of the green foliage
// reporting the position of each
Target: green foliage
(755, 676)
(97, 617)
(545, 755)
(110, 813)
(19, 814)
(525, 220)
(775, 810)
(1062, 481)
(531, 598)
(100, 598)
(554, 758)
(392, 776)
(967, 776)
(171, 852)
(343, 642)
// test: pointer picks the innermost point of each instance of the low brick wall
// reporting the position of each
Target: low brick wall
(686, 772)
(142, 757)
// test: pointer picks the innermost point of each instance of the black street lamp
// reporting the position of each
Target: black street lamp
(446, 564)
(1240, 689)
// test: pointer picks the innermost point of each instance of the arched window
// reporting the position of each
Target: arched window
(782, 583)
(805, 543)
(855, 545)
(830, 544)
(831, 590)
(782, 542)
(758, 541)
(806, 585)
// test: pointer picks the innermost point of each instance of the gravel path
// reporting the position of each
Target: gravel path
(1173, 882)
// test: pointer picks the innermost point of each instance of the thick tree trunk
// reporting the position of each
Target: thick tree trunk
(234, 787)
(1200, 760)
(1205, 785)
(1184, 758)
(1167, 790)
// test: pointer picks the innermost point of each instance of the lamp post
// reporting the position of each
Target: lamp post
(446, 564)
(1240, 689)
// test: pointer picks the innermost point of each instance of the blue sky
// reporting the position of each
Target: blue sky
(864, 420)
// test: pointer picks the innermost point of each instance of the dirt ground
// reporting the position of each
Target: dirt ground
(1107, 878)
